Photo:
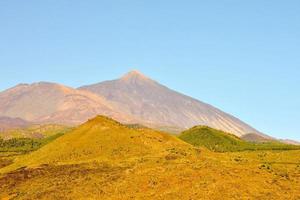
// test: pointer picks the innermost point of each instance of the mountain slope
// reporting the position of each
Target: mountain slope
(158, 106)
(53, 103)
(287, 141)
(134, 98)
(7, 123)
(252, 137)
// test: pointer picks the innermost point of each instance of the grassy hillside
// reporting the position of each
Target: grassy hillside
(105, 139)
(103, 159)
(23, 145)
(220, 141)
(29, 139)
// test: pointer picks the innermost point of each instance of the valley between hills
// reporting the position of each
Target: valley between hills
(133, 138)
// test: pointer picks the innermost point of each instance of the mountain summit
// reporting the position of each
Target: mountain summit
(158, 106)
(134, 74)
(136, 78)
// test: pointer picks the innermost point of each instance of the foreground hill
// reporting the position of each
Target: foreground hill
(54, 103)
(159, 106)
(221, 141)
(103, 139)
(103, 159)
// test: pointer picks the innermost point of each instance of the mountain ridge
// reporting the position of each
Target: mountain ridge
(140, 96)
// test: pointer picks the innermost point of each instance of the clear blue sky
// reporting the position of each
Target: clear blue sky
(240, 56)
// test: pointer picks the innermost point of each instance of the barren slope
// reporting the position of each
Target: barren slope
(159, 106)
(7, 123)
(53, 103)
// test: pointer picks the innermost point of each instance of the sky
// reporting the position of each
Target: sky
(240, 56)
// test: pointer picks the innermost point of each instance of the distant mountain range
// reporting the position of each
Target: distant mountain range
(132, 99)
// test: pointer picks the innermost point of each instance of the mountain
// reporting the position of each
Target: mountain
(158, 106)
(132, 99)
(252, 137)
(35, 131)
(45, 102)
(287, 141)
(7, 123)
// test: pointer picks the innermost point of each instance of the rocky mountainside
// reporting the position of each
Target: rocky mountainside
(158, 106)
(54, 103)
(11, 123)
(134, 98)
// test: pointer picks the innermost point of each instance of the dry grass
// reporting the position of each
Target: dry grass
(145, 164)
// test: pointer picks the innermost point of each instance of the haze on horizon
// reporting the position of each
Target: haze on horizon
(240, 57)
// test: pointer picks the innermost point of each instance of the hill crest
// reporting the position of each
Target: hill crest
(103, 139)
(220, 141)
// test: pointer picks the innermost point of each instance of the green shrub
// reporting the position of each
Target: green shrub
(220, 141)
(25, 144)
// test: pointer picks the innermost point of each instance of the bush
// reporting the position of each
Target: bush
(25, 144)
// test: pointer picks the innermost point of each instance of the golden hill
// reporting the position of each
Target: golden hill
(103, 159)
(157, 106)
(102, 139)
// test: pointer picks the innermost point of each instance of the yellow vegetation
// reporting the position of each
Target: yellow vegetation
(103, 159)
